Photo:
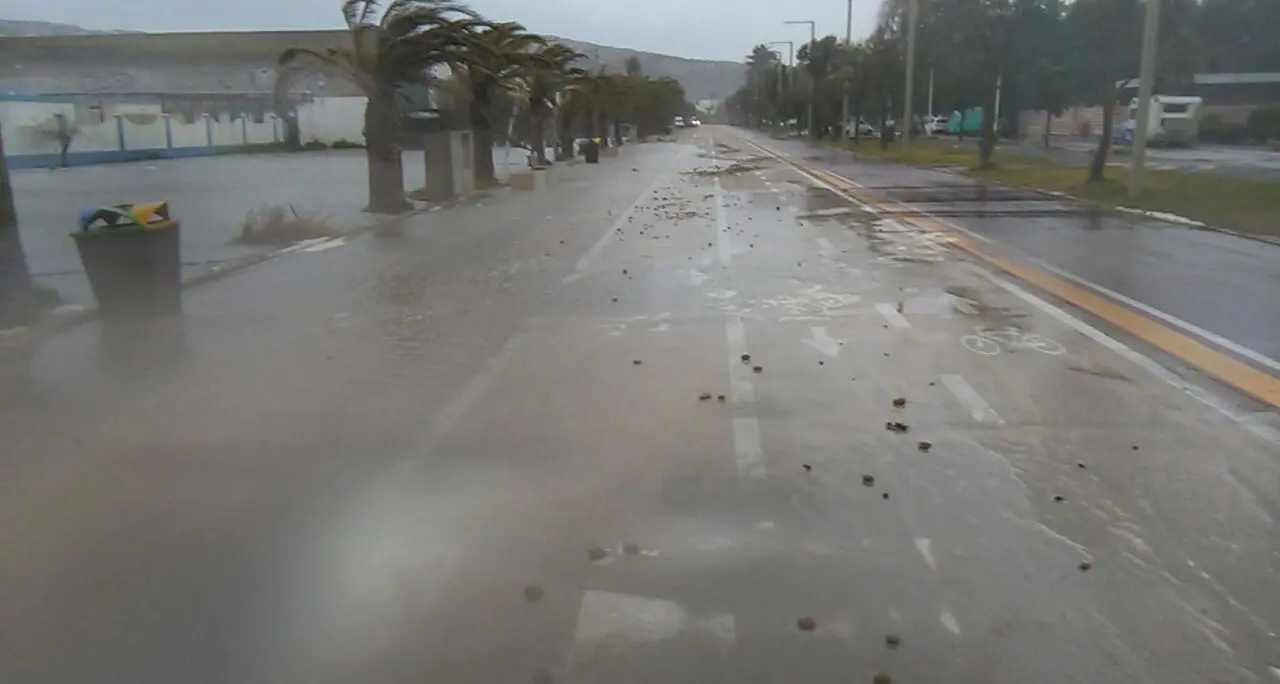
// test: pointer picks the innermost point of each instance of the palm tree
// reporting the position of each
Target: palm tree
(495, 62)
(547, 73)
(393, 42)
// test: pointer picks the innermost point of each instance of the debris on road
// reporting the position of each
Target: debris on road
(635, 362)
(746, 358)
(895, 426)
(615, 299)
(631, 549)
(758, 369)
(720, 397)
(924, 445)
(705, 396)
(899, 402)
(533, 593)
(1059, 498)
(807, 467)
(868, 480)
(884, 495)
(806, 624)
(596, 553)
(893, 641)
(1085, 566)
(1080, 465)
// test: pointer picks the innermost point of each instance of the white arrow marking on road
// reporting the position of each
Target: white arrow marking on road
(822, 341)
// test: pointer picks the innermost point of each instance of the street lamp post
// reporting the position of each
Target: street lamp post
(791, 62)
(813, 86)
(1147, 76)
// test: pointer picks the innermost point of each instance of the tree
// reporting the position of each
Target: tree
(399, 43)
(546, 73)
(498, 58)
(1105, 37)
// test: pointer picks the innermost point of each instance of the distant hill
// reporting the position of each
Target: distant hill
(43, 28)
(702, 79)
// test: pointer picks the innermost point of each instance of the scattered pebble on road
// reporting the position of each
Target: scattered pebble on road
(705, 396)
(868, 480)
(533, 593)
(899, 402)
(596, 553)
(924, 445)
(896, 426)
(806, 624)
(631, 549)
(893, 641)
(1085, 566)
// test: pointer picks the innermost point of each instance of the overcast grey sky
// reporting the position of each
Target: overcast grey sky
(708, 29)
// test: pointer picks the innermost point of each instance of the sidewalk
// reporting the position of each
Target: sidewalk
(210, 195)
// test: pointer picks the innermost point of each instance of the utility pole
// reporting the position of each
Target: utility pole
(813, 85)
(913, 11)
(1147, 75)
(848, 44)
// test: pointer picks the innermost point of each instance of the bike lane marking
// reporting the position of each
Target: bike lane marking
(1243, 377)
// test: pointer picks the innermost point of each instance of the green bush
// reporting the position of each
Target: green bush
(314, 145)
(1264, 123)
(347, 145)
(1211, 126)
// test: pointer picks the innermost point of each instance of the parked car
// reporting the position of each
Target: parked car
(935, 125)
(693, 121)
(678, 122)
(865, 130)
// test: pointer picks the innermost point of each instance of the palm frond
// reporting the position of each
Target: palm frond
(294, 61)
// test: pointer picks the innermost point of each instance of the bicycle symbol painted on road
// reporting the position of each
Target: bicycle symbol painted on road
(990, 341)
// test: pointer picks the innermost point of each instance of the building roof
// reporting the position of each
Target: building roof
(1220, 79)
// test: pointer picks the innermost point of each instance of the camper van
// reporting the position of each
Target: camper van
(1171, 120)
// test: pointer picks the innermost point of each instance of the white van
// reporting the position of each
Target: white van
(1171, 120)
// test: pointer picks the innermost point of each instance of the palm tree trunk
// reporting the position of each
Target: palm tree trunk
(539, 145)
(565, 136)
(482, 138)
(987, 139)
(382, 150)
(1099, 163)
(15, 278)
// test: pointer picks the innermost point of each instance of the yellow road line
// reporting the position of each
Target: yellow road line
(1252, 381)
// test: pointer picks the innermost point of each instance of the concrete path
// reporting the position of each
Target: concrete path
(640, 428)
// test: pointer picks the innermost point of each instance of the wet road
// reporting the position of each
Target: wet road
(1216, 284)
(481, 452)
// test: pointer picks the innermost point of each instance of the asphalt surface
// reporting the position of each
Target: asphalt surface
(1219, 282)
(479, 451)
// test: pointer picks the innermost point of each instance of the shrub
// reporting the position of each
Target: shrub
(346, 145)
(1211, 126)
(1264, 123)
(314, 146)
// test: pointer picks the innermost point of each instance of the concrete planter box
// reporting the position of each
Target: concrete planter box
(533, 180)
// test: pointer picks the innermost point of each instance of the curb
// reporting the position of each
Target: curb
(58, 322)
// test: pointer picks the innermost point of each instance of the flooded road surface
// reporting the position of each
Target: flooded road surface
(685, 417)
